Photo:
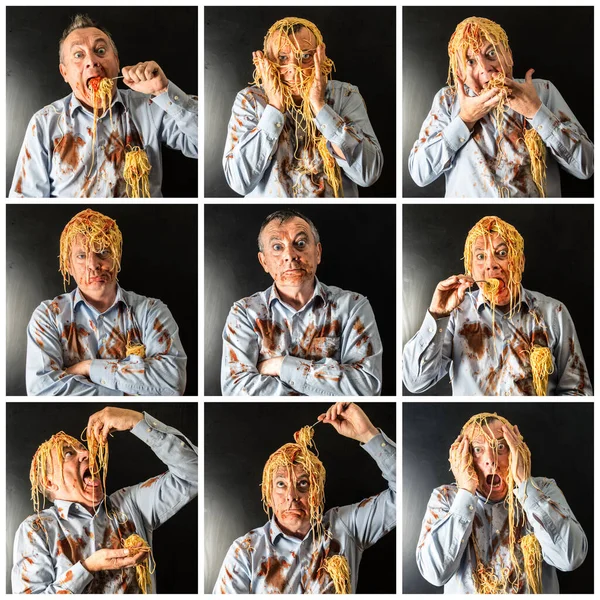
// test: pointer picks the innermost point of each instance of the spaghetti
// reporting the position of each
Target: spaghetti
(135, 173)
(143, 570)
(96, 232)
(532, 560)
(540, 359)
(472, 34)
(485, 578)
(101, 88)
(339, 570)
(280, 34)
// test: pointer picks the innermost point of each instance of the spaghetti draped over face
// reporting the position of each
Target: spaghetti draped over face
(97, 232)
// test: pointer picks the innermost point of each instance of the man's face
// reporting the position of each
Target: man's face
(483, 65)
(491, 468)
(290, 253)
(87, 53)
(289, 500)
(291, 53)
(76, 484)
(94, 272)
(490, 259)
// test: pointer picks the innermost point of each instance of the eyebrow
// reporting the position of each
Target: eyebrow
(478, 248)
(81, 43)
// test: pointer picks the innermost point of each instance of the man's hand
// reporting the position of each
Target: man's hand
(350, 421)
(461, 464)
(524, 98)
(271, 366)
(521, 471)
(110, 419)
(449, 294)
(146, 77)
(472, 109)
(108, 559)
(316, 94)
(80, 368)
(274, 93)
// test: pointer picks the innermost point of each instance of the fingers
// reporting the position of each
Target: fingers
(454, 281)
(460, 87)
(333, 412)
(529, 76)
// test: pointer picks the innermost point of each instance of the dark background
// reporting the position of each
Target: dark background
(540, 37)
(131, 462)
(560, 437)
(160, 249)
(359, 254)
(165, 34)
(233, 471)
(559, 257)
(360, 40)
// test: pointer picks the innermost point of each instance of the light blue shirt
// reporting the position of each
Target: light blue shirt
(266, 560)
(57, 152)
(68, 330)
(482, 363)
(49, 547)
(331, 345)
(261, 159)
(470, 160)
(446, 554)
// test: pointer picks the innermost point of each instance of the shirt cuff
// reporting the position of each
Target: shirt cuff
(332, 126)
(544, 122)
(175, 101)
(79, 580)
(102, 372)
(433, 331)
(295, 372)
(464, 506)
(381, 448)
(271, 122)
(456, 134)
(152, 432)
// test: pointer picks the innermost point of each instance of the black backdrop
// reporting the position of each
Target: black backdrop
(540, 38)
(233, 472)
(166, 34)
(559, 251)
(160, 250)
(560, 437)
(131, 462)
(360, 40)
(359, 254)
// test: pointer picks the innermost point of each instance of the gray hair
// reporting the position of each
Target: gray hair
(285, 215)
(81, 21)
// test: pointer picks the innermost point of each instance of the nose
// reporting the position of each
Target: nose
(94, 261)
(290, 254)
(487, 66)
(491, 264)
(488, 457)
(91, 60)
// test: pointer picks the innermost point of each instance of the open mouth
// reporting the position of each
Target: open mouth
(494, 481)
(93, 82)
(88, 481)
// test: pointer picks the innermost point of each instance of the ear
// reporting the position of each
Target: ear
(262, 261)
(63, 71)
(319, 252)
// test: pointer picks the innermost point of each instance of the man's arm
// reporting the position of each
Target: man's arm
(251, 140)
(571, 371)
(31, 178)
(46, 373)
(160, 497)
(235, 576)
(358, 373)
(352, 133)
(161, 373)
(239, 372)
(563, 541)
(369, 520)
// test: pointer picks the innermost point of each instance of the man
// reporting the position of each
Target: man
(293, 552)
(508, 341)
(76, 545)
(100, 340)
(293, 133)
(299, 336)
(76, 147)
(492, 135)
(497, 529)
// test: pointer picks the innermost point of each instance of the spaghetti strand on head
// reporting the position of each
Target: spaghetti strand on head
(281, 33)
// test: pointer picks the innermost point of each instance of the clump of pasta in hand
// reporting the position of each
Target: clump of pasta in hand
(135, 173)
(485, 578)
(540, 359)
(339, 570)
(301, 114)
(143, 570)
(98, 232)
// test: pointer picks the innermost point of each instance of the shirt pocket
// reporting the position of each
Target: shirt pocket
(323, 347)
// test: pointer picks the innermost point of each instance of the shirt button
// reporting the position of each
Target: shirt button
(462, 541)
(383, 444)
(461, 140)
(431, 330)
(539, 127)
(154, 423)
(102, 382)
(440, 330)
(277, 124)
(497, 532)
(175, 97)
(470, 507)
(149, 429)
(292, 383)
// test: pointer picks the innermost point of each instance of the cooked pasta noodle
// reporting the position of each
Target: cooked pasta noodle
(339, 570)
(532, 560)
(135, 173)
(143, 570)
(101, 88)
(540, 359)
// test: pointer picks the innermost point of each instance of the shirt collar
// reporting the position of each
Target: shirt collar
(275, 532)
(524, 298)
(320, 291)
(78, 299)
(75, 104)
(65, 508)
